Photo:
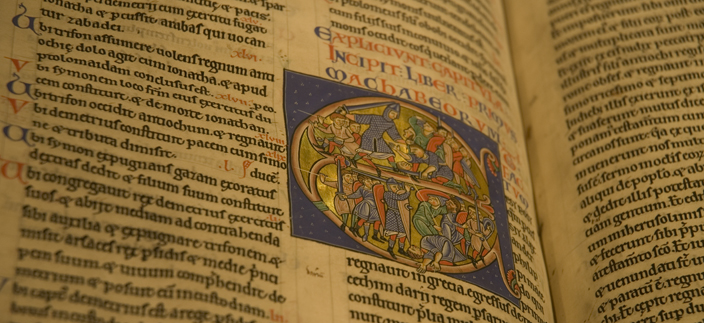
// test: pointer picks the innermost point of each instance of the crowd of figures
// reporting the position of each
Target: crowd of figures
(416, 181)
(447, 161)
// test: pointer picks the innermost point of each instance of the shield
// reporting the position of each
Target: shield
(378, 191)
(461, 218)
(405, 210)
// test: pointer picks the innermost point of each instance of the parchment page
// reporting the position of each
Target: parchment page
(612, 100)
(263, 161)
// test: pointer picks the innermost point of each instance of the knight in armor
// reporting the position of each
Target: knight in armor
(394, 224)
(366, 209)
(373, 144)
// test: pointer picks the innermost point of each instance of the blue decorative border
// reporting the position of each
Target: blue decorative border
(310, 94)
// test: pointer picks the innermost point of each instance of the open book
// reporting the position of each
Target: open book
(351, 161)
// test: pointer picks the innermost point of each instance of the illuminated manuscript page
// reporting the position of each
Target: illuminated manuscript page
(190, 161)
(612, 101)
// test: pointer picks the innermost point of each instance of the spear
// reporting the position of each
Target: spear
(367, 174)
(310, 114)
(305, 171)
